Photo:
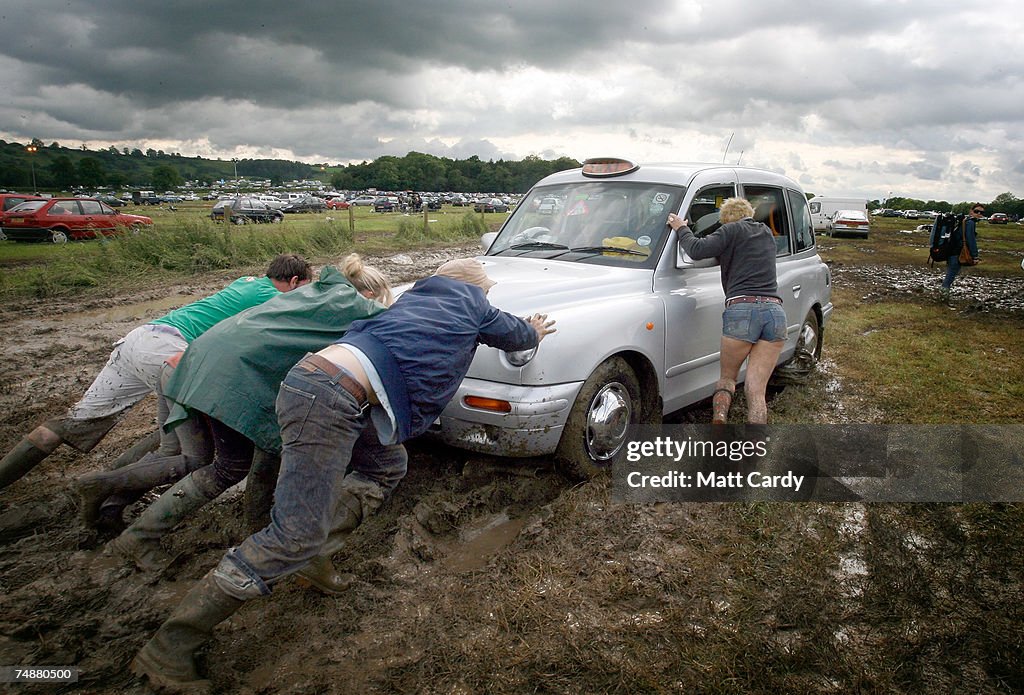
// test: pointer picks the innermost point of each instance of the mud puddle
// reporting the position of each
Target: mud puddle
(976, 292)
(126, 312)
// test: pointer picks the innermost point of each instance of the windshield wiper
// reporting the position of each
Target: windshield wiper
(538, 245)
(614, 249)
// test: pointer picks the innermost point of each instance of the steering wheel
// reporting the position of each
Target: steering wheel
(541, 234)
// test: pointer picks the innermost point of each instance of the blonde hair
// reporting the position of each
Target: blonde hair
(734, 209)
(367, 279)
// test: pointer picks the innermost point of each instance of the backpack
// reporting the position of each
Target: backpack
(942, 242)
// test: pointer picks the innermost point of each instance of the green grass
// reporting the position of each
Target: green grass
(923, 363)
(186, 242)
(893, 241)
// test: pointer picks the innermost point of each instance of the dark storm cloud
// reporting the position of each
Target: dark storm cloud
(924, 81)
(283, 53)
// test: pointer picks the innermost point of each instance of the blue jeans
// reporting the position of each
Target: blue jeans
(754, 321)
(952, 270)
(325, 435)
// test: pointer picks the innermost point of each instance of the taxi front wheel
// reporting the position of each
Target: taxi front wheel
(595, 433)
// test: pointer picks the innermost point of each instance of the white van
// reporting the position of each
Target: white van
(823, 207)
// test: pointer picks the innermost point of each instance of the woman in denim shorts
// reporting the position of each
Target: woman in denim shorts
(754, 323)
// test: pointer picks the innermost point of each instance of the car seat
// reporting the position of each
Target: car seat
(768, 214)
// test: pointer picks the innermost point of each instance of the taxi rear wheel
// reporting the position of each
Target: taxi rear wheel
(597, 429)
(798, 368)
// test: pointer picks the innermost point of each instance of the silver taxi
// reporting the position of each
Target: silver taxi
(639, 322)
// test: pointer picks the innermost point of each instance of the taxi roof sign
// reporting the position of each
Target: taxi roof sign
(608, 166)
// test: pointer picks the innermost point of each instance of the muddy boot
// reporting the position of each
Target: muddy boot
(32, 449)
(140, 542)
(168, 659)
(138, 450)
(259, 489)
(152, 470)
(721, 401)
(320, 572)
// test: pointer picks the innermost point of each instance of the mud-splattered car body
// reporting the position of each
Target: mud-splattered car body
(639, 322)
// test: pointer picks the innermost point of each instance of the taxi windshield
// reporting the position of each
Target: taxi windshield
(603, 222)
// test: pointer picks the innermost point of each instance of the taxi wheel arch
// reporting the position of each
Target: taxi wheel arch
(595, 433)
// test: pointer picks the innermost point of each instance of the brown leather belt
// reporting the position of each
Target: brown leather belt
(751, 299)
(314, 362)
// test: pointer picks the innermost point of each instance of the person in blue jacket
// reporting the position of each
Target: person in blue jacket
(382, 383)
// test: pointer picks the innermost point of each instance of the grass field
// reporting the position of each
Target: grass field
(184, 242)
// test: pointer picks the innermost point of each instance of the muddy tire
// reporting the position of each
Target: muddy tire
(596, 431)
(804, 361)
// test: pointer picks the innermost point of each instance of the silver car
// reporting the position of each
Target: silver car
(639, 322)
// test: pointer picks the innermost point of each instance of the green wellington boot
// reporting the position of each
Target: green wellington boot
(320, 573)
(140, 542)
(168, 659)
(146, 473)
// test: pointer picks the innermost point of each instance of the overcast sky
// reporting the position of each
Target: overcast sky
(861, 97)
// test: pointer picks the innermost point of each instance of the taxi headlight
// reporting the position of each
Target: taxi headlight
(519, 358)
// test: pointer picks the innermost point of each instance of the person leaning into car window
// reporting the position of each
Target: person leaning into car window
(753, 324)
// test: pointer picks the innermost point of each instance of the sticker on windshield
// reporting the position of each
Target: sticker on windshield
(580, 208)
(660, 198)
(643, 241)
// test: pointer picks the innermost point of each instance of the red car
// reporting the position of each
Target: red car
(58, 219)
(338, 204)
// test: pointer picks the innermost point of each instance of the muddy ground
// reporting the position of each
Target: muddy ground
(484, 575)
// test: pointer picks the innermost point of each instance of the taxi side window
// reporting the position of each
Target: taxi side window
(769, 205)
(703, 212)
(803, 229)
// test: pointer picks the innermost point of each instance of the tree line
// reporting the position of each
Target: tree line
(54, 167)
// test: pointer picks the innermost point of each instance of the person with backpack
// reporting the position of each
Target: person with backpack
(963, 237)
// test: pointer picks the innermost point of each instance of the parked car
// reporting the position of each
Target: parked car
(338, 204)
(888, 212)
(998, 218)
(271, 201)
(490, 205)
(911, 214)
(363, 200)
(9, 200)
(639, 322)
(849, 223)
(548, 206)
(386, 204)
(111, 200)
(245, 210)
(310, 203)
(59, 219)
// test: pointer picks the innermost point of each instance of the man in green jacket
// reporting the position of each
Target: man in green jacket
(223, 392)
(133, 370)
